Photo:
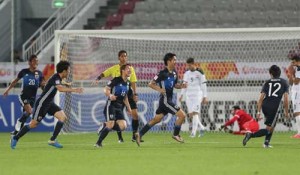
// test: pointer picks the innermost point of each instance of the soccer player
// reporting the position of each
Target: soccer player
(294, 79)
(45, 104)
(113, 72)
(164, 82)
(196, 93)
(271, 94)
(116, 90)
(32, 79)
(245, 121)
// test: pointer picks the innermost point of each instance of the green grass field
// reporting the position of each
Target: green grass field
(215, 153)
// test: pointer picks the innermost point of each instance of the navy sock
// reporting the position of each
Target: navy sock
(57, 129)
(135, 125)
(176, 130)
(103, 134)
(145, 129)
(268, 138)
(260, 133)
(22, 132)
(24, 117)
(116, 127)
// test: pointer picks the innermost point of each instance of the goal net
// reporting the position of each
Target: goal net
(235, 62)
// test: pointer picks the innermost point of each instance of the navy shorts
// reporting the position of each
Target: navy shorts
(40, 110)
(167, 106)
(113, 111)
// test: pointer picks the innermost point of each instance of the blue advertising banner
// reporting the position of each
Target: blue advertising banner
(11, 110)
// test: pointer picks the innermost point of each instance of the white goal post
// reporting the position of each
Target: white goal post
(235, 62)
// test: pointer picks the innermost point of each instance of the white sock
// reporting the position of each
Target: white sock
(298, 123)
(18, 125)
(200, 124)
(195, 124)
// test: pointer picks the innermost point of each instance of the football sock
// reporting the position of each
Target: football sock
(24, 117)
(135, 125)
(298, 123)
(268, 138)
(260, 133)
(145, 129)
(57, 129)
(195, 124)
(176, 130)
(103, 134)
(22, 132)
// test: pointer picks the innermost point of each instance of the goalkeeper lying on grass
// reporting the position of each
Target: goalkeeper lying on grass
(245, 121)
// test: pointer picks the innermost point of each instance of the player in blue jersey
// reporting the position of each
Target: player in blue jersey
(32, 79)
(164, 82)
(271, 94)
(117, 92)
(45, 105)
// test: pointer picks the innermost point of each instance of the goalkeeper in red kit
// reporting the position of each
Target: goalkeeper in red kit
(245, 121)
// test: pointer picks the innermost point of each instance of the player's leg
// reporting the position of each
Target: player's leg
(60, 115)
(180, 119)
(157, 118)
(297, 125)
(135, 117)
(296, 109)
(192, 110)
(105, 130)
(27, 111)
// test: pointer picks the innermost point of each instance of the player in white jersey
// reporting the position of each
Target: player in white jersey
(294, 80)
(195, 93)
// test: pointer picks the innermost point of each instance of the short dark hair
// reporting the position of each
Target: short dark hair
(31, 58)
(190, 61)
(295, 57)
(121, 52)
(123, 68)
(61, 66)
(275, 71)
(236, 107)
(168, 57)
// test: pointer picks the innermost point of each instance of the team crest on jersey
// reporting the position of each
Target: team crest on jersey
(57, 82)
(39, 118)
(36, 75)
(174, 73)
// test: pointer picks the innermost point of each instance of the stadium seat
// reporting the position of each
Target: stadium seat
(126, 7)
(142, 6)
(130, 19)
(114, 20)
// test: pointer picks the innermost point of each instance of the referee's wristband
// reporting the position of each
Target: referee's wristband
(99, 77)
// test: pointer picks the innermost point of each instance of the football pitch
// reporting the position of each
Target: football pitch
(215, 153)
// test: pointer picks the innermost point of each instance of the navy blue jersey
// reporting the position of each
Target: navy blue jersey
(50, 88)
(31, 81)
(119, 88)
(167, 81)
(274, 90)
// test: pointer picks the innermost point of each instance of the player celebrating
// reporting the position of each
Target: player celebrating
(113, 72)
(294, 79)
(116, 91)
(32, 79)
(245, 121)
(196, 93)
(164, 82)
(45, 104)
(269, 100)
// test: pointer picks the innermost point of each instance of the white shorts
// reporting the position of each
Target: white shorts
(295, 96)
(193, 104)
